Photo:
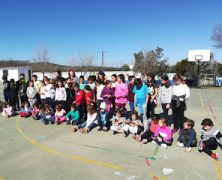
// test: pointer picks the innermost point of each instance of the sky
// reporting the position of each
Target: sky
(74, 28)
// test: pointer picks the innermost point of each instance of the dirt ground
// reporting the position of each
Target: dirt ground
(30, 150)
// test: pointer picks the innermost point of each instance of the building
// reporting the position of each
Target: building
(14, 72)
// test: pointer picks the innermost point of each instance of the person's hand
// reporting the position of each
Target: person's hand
(178, 143)
(159, 139)
(168, 106)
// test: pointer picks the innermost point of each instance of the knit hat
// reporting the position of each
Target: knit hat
(103, 105)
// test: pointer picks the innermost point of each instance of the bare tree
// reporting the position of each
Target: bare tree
(85, 62)
(42, 57)
(217, 36)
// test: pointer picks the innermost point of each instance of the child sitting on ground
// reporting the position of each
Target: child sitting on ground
(8, 110)
(210, 138)
(187, 138)
(26, 110)
(103, 118)
(60, 114)
(162, 135)
(73, 116)
(147, 135)
(91, 121)
(47, 115)
(133, 126)
(117, 122)
(36, 111)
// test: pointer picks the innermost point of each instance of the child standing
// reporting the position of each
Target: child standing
(162, 135)
(8, 110)
(6, 88)
(187, 138)
(73, 116)
(103, 118)
(165, 94)
(133, 126)
(99, 87)
(80, 101)
(107, 94)
(31, 93)
(131, 93)
(117, 122)
(26, 110)
(60, 95)
(210, 138)
(47, 116)
(88, 95)
(82, 82)
(43, 93)
(14, 95)
(60, 114)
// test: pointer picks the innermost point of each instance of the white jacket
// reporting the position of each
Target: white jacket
(165, 94)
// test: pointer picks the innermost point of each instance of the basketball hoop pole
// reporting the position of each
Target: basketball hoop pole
(198, 73)
(198, 58)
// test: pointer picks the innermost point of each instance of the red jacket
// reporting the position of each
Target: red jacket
(80, 98)
(89, 95)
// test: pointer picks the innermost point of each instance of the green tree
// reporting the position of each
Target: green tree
(125, 67)
(185, 68)
(152, 61)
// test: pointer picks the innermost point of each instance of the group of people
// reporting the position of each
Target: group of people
(99, 102)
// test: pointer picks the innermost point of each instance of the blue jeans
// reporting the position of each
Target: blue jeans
(90, 127)
(131, 105)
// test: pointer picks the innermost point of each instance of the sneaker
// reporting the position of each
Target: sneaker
(144, 141)
(154, 142)
(201, 146)
(188, 149)
(215, 156)
(68, 122)
(58, 123)
(180, 145)
(163, 145)
(52, 122)
(105, 129)
(99, 128)
(126, 134)
(114, 132)
(134, 136)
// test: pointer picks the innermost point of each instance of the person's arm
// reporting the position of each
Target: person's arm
(169, 135)
(192, 137)
(102, 95)
(187, 90)
(155, 94)
(68, 114)
(56, 94)
(64, 93)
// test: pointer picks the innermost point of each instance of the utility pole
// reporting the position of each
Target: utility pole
(102, 53)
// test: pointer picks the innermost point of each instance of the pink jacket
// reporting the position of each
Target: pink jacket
(121, 91)
(8, 111)
(164, 132)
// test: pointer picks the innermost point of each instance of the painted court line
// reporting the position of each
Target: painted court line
(202, 102)
(53, 151)
(218, 169)
(1, 178)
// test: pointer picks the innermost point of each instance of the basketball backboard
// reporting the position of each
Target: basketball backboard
(199, 55)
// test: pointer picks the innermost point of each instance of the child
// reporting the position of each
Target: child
(165, 94)
(117, 122)
(133, 126)
(31, 93)
(60, 114)
(36, 111)
(43, 92)
(26, 111)
(107, 94)
(6, 88)
(210, 138)
(14, 95)
(47, 116)
(147, 135)
(80, 100)
(162, 135)
(8, 110)
(88, 95)
(73, 116)
(99, 88)
(103, 118)
(81, 82)
(92, 84)
(187, 136)
(60, 95)
(131, 93)
(91, 121)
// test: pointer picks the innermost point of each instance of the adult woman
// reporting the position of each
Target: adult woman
(72, 76)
